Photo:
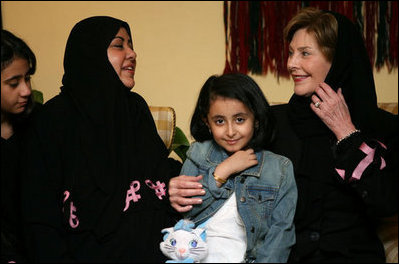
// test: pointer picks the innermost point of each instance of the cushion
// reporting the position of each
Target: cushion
(388, 233)
(165, 121)
(390, 107)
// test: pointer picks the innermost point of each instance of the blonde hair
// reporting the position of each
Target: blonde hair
(321, 24)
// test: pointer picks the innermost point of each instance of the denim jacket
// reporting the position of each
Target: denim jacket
(266, 199)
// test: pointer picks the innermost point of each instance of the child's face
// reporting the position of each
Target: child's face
(15, 86)
(231, 123)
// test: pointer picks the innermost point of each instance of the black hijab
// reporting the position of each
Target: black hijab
(351, 71)
(88, 75)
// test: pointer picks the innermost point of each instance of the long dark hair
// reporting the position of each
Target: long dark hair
(13, 47)
(243, 88)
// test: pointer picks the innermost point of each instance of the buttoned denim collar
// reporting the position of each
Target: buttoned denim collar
(217, 154)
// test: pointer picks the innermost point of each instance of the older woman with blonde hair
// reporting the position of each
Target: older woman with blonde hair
(344, 148)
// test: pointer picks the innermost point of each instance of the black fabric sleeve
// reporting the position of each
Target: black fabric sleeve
(378, 185)
(165, 167)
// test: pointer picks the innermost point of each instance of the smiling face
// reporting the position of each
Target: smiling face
(122, 57)
(306, 63)
(231, 123)
(15, 86)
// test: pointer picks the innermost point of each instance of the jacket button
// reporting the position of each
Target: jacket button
(314, 236)
(252, 229)
(364, 194)
(242, 199)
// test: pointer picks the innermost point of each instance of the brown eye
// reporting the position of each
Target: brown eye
(240, 120)
(14, 84)
(219, 121)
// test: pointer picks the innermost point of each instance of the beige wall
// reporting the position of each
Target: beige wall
(179, 45)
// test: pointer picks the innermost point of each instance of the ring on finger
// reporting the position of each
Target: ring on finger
(317, 104)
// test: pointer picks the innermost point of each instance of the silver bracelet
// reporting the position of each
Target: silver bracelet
(347, 136)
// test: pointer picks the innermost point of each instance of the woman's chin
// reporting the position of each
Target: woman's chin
(129, 84)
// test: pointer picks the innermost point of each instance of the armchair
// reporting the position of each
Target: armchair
(172, 135)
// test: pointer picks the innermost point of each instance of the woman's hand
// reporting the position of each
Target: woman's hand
(332, 110)
(182, 187)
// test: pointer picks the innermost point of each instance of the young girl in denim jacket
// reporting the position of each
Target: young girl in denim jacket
(251, 194)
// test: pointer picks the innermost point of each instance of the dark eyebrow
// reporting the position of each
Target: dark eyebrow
(302, 48)
(217, 116)
(241, 114)
(15, 77)
(121, 38)
(235, 116)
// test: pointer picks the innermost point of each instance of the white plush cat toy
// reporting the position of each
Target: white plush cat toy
(183, 244)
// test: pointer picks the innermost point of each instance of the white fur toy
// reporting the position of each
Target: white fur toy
(183, 244)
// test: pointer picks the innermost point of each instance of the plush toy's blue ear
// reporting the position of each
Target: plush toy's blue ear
(184, 224)
(167, 231)
(203, 233)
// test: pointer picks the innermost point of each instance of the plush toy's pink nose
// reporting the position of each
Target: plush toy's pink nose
(182, 250)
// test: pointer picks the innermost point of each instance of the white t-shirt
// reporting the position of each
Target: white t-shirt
(225, 235)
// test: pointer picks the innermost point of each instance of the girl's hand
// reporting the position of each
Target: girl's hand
(237, 162)
(332, 110)
(180, 188)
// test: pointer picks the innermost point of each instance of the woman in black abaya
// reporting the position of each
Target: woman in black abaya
(343, 147)
(95, 186)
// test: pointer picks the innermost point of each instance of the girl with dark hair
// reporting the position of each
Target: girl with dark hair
(251, 194)
(95, 186)
(18, 63)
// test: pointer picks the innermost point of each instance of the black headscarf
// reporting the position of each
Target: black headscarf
(89, 76)
(351, 71)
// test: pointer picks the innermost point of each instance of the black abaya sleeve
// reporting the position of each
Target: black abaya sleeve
(378, 184)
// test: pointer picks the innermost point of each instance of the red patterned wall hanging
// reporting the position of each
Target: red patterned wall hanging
(254, 32)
